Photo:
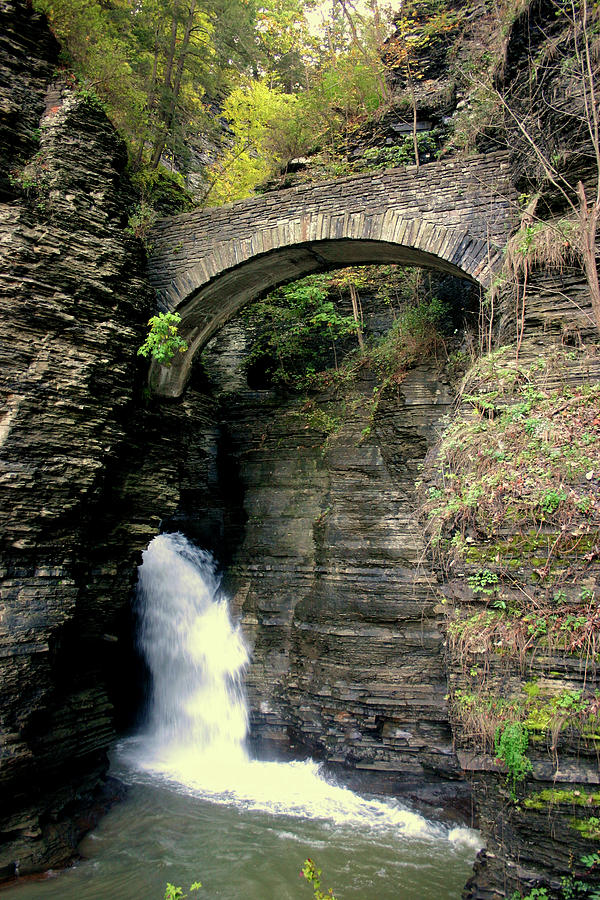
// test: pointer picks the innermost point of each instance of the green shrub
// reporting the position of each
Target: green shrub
(162, 191)
(403, 154)
(534, 894)
(298, 333)
(551, 500)
(163, 341)
(141, 219)
(413, 335)
(483, 582)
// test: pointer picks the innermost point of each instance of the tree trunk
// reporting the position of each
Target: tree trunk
(172, 47)
(159, 141)
(151, 96)
(588, 223)
(357, 317)
(181, 64)
(385, 94)
(176, 86)
(411, 86)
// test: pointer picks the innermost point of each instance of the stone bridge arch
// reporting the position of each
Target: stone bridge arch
(453, 216)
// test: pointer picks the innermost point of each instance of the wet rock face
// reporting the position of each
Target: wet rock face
(72, 312)
(366, 687)
(344, 626)
(90, 464)
(28, 54)
(338, 595)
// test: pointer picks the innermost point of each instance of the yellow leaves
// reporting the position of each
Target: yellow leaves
(235, 176)
(416, 32)
(251, 110)
(257, 115)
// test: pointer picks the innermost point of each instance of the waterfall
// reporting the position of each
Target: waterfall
(197, 720)
(195, 655)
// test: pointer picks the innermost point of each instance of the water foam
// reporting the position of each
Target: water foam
(194, 739)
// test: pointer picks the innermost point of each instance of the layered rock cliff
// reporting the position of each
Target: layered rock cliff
(345, 630)
(364, 623)
(513, 515)
(72, 309)
(91, 464)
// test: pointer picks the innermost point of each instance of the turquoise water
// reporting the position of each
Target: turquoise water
(167, 832)
(199, 808)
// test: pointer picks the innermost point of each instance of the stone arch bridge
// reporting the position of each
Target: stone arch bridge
(453, 215)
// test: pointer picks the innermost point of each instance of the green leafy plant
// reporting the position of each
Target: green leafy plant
(32, 179)
(575, 889)
(414, 334)
(298, 334)
(313, 876)
(162, 192)
(483, 582)
(403, 154)
(534, 894)
(589, 828)
(176, 893)
(551, 500)
(141, 220)
(511, 743)
(320, 419)
(163, 340)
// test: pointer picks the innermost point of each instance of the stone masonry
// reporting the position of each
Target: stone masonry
(452, 215)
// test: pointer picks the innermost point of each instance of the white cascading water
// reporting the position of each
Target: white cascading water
(195, 655)
(198, 719)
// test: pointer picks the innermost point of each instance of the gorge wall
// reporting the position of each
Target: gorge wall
(521, 593)
(365, 645)
(82, 482)
(344, 628)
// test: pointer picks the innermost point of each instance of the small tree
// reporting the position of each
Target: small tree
(420, 26)
(510, 744)
(163, 340)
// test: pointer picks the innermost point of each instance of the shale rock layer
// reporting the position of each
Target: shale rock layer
(72, 307)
